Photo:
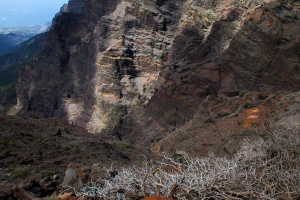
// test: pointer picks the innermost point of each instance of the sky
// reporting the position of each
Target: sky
(28, 12)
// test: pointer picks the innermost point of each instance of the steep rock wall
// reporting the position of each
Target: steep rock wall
(139, 70)
(97, 63)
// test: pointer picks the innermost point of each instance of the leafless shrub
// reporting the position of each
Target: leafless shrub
(249, 3)
(264, 169)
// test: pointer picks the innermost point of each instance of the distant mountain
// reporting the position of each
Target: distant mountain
(9, 41)
(20, 55)
(12, 36)
(5, 43)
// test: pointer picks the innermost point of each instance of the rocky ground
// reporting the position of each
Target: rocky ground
(222, 122)
(35, 153)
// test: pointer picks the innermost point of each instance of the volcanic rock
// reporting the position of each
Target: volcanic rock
(140, 70)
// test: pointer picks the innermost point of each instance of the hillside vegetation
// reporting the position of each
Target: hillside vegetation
(264, 169)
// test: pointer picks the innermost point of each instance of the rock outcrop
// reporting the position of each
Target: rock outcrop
(73, 6)
(140, 69)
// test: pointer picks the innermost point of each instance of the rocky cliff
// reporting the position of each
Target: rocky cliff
(73, 6)
(142, 70)
(9, 64)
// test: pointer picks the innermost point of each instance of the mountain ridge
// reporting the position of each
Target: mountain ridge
(124, 65)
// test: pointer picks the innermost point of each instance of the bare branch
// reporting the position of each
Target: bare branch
(263, 169)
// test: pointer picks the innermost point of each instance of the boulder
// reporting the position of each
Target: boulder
(75, 177)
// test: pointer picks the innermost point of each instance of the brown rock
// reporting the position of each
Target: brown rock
(76, 177)
(20, 193)
(66, 196)
(98, 172)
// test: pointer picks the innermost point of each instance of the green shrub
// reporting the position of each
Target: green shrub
(10, 143)
(9, 160)
(246, 105)
(19, 173)
(76, 149)
(66, 148)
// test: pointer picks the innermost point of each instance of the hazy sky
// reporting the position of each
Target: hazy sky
(28, 12)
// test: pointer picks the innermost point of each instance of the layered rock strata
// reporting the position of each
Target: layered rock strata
(139, 70)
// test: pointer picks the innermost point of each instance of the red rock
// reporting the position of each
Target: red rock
(66, 196)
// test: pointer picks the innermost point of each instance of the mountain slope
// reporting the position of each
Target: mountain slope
(10, 63)
(154, 75)
(5, 43)
(10, 37)
(140, 70)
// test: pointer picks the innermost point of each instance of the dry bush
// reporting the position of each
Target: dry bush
(264, 169)
(248, 3)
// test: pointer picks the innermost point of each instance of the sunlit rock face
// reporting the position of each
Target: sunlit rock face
(139, 69)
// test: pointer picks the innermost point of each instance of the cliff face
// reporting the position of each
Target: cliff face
(73, 6)
(138, 70)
